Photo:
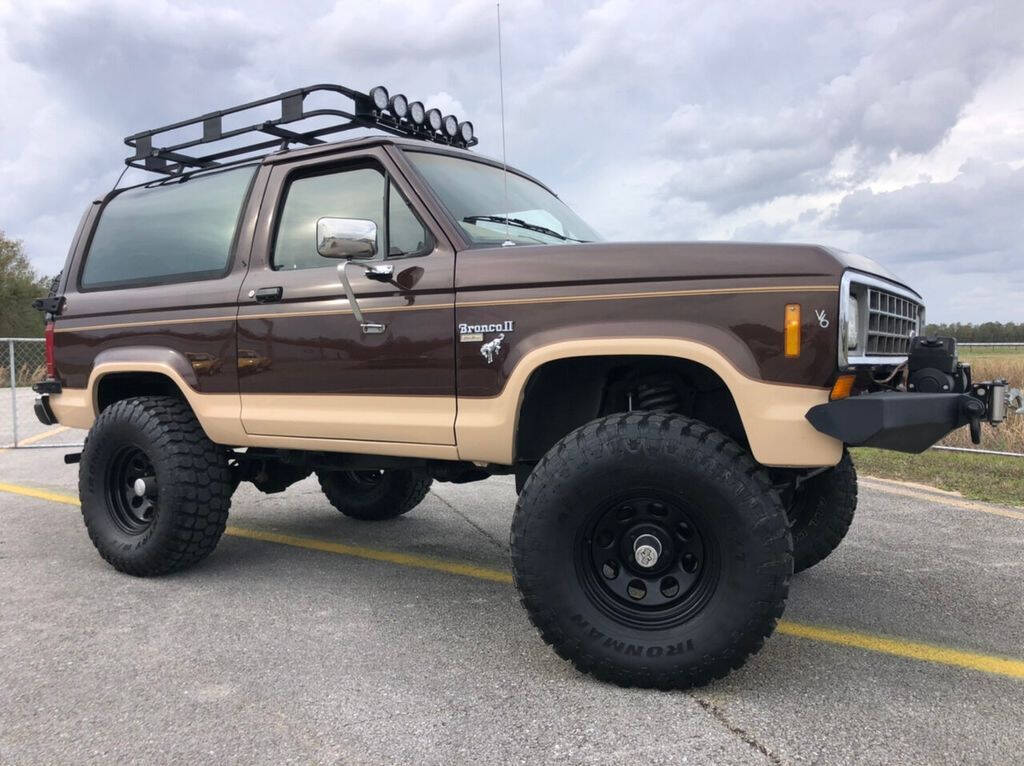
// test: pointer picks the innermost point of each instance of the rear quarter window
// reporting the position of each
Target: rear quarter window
(179, 232)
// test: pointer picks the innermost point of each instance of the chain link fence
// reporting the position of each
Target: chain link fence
(22, 363)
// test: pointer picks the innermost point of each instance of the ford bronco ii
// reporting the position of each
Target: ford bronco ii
(394, 310)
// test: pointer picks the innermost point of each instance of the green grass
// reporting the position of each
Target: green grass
(979, 477)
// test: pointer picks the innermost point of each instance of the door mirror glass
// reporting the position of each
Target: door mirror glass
(350, 238)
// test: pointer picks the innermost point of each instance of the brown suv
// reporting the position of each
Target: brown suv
(394, 310)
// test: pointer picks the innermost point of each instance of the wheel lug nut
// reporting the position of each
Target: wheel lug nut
(610, 570)
(646, 550)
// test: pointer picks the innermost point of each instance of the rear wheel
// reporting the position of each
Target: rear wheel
(155, 490)
(374, 495)
(651, 550)
(821, 511)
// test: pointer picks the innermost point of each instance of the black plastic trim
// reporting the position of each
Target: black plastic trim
(43, 411)
(47, 387)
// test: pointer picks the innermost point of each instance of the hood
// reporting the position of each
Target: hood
(634, 262)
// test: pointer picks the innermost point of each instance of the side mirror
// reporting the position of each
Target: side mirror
(349, 238)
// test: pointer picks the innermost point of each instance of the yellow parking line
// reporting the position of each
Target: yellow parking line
(896, 647)
(42, 494)
(375, 554)
(940, 497)
(899, 647)
(43, 435)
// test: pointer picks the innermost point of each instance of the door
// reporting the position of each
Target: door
(306, 366)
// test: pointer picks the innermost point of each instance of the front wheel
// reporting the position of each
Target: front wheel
(651, 550)
(821, 511)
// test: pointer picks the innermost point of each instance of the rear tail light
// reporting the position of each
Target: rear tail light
(51, 367)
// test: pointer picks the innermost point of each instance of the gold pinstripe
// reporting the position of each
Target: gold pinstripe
(473, 304)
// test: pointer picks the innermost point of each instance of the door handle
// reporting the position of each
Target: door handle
(267, 294)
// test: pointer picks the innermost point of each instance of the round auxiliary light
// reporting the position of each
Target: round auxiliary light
(379, 97)
(451, 126)
(399, 106)
(417, 113)
(434, 119)
(466, 131)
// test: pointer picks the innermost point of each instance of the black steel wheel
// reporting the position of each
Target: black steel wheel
(155, 490)
(374, 495)
(646, 561)
(651, 550)
(131, 489)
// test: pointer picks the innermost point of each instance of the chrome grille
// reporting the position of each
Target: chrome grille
(892, 322)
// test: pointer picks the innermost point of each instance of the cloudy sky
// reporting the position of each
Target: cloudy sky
(891, 129)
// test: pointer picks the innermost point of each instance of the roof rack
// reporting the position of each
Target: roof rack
(394, 114)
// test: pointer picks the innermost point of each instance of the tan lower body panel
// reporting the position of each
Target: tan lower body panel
(485, 428)
(772, 414)
(412, 419)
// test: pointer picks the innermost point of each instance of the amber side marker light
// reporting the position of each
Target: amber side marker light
(842, 387)
(792, 329)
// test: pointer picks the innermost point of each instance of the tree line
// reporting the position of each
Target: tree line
(986, 332)
(20, 284)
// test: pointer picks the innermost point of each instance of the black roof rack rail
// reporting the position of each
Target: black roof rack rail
(375, 109)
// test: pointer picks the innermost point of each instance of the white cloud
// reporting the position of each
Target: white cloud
(893, 129)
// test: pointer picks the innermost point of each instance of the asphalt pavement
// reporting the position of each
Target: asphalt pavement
(308, 637)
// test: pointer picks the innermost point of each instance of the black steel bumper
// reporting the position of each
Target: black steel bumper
(896, 420)
(43, 411)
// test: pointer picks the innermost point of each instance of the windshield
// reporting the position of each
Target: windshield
(474, 194)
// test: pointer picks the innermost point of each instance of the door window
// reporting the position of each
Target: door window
(364, 193)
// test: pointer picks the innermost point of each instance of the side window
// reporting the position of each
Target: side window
(357, 193)
(176, 232)
(406, 235)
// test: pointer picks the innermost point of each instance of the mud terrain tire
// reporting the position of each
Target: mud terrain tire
(719, 583)
(821, 512)
(374, 495)
(183, 513)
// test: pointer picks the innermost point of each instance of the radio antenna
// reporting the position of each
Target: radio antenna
(504, 162)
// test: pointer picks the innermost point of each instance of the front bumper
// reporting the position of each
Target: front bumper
(895, 420)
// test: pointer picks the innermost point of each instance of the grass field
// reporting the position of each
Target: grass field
(980, 477)
(987, 364)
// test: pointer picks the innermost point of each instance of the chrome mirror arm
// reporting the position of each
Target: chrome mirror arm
(369, 328)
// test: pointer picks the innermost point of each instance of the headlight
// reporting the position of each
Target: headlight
(852, 319)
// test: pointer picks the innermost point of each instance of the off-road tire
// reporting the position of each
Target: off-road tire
(684, 465)
(393, 493)
(821, 512)
(194, 486)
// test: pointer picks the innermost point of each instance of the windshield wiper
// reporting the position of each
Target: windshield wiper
(519, 223)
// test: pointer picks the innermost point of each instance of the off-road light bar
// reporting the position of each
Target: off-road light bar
(376, 109)
(379, 97)
(417, 113)
(399, 106)
(434, 119)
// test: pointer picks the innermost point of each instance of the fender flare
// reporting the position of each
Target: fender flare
(773, 414)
